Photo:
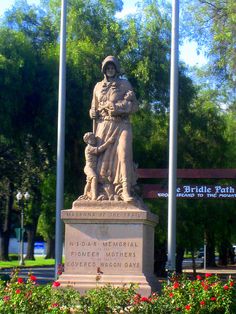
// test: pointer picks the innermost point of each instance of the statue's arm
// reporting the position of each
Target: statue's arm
(128, 103)
(102, 147)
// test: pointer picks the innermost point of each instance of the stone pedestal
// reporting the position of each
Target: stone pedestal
(108, 242)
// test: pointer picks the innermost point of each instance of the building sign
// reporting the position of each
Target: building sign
(191, 191)
(39, 248)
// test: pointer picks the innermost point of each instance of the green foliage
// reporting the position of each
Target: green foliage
(107, 299)
(46, 225)
(150, 138)
(38, 262)
(202, 124)
(229, 134)
(20, 297)
(212, 25)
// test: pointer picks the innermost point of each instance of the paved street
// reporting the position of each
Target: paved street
(222, 272)
(43, 274)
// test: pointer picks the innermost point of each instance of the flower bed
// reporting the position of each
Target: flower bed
(204, 295)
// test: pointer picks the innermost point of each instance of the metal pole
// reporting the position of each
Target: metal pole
(60, 138)
(204, 262)
(173, 139)
(205, 249)
(22, 236)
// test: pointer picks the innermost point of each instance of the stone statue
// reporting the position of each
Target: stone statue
(91, 152)
(111, 174)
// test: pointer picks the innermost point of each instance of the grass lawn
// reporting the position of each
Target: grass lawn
(39, 261)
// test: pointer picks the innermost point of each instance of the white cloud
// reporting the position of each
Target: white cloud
(190, 55)
(125, 12)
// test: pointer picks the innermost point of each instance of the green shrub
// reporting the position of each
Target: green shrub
(204, 295)
(19, 296)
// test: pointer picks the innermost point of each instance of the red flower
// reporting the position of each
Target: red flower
(55, 305)
(171, 295)
(207, 275)
(205, 287)
(178, 309)
(213, 298)
(137, 298)
(202, 303)
(176, 285)
(6, 298)
(20, 280)
(231, 283)
(188, 307)
(226, 287)
(199, 277)
(32, 278)
(18, 291)
(56, 284)
(144, 299)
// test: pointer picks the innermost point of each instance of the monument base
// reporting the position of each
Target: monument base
(84, 283)
(109, 242)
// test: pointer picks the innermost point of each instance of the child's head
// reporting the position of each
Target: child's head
(89, 138)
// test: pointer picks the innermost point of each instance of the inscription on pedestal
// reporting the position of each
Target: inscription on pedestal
(103, 249)
(100, 214)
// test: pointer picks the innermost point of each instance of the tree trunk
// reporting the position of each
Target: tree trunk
(210, 256)
(193, 263)
(231, 255)
(4, 244)
(6, 226)
(31, 232)
(223, 253)
(160, 261)
(32, 228)
(179, 259)
(50, 248)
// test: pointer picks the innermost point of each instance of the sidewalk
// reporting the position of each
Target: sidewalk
(222, 271)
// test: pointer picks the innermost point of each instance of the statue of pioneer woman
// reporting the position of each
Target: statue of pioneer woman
(113, 103)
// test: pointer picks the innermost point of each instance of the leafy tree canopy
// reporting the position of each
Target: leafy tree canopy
(212, 25)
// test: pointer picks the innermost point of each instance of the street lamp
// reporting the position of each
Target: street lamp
(19, 197)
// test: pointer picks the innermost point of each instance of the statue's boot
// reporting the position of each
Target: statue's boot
(126, 192)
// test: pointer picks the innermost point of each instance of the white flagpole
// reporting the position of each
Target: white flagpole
(60, 138)
(173, 139)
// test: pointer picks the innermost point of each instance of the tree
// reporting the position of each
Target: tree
(27, 50)
(8, 174)
(47, 217)
(203, 129)
(212, 25)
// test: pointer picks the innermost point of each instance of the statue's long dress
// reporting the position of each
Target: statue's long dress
(115, 166)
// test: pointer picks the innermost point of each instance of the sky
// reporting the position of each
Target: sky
(188, 50)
